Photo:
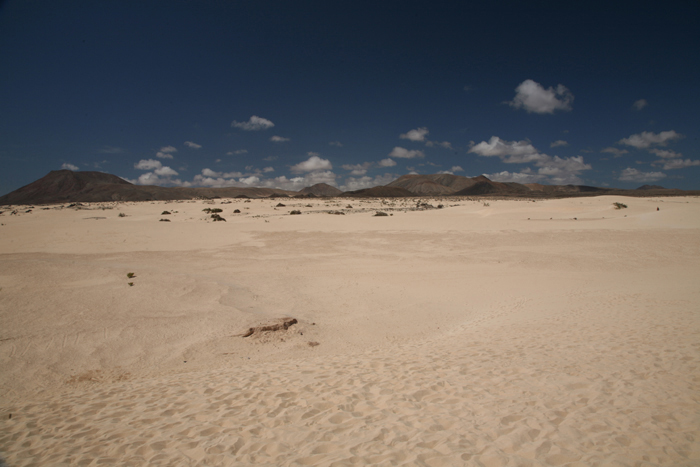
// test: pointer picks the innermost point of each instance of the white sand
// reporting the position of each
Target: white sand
(509, 334)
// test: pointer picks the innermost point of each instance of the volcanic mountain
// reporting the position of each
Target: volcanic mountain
(63, 186)
(320, 189)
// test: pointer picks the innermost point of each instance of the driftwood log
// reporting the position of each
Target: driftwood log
(281, 324)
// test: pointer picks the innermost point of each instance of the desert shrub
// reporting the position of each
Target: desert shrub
(380, 214)
(165, 213)
(217, 217)
(487, 204)
(207, 210)
(121, 214)
(131, 284)
(214, 210)
(294, 212)
(165, 220)
(130, 275)
(237, 211)
(280, 205)
(619, 205)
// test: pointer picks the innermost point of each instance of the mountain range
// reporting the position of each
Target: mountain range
(65, 186)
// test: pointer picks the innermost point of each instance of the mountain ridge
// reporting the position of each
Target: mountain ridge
(65, 186)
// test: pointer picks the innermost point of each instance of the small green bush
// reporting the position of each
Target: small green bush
(165, 220)
(217, 217)
(130, 275)
(165, 213)
(381, 214)
(294, 212)
(619, 205)
(121, 214)
(131, 284)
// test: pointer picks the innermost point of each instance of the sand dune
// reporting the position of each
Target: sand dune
(562, 332)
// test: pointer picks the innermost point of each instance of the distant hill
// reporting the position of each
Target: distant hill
(448, 184)
(379, 192)
(320, 189)
(651, 187)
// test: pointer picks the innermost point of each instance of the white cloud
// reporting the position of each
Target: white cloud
(268, 169)
(563, 171)
(403, 153)
(386, 163)
(165, 152)
(443, 144)
(148, 164)
(678, 164)
(510, 152)
(192, 145)
(418, 134)
(358, 169)
(336, 143)
(352, 183)
(151, 178)
(254, 123)
(279, 139)
(297, 183)
(69, 166)
(250, 181)
(456, 168)
(218, 179)
(647, 138)
(236, 152)
(615, 151)
(557, 143)
(522, 177)
(165, 171)
(558, 170)
(640, 104)
(634, 175)
(532, 97)
(210, 173)
(312, 164)
(666, 153)
(311, 153)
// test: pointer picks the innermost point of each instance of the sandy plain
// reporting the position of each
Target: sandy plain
(518, 333)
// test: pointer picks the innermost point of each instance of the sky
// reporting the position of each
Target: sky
(355, 94)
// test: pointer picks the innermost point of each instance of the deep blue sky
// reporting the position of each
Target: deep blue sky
(186, 92)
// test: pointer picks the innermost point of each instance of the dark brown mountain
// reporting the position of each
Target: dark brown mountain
(435, 184)
(66, 186)
(320, 189)
(379, 192)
